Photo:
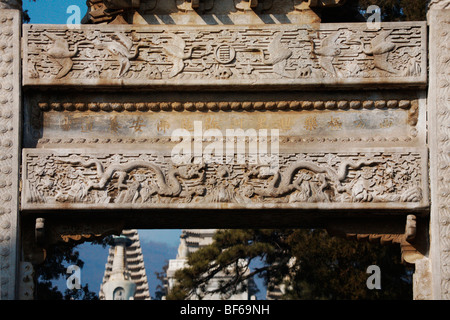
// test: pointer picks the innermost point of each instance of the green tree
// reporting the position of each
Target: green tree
(398, 10)
(309, 263)
(161, 287)
(54, 268)
(391, 10)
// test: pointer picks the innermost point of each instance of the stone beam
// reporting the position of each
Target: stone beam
(265, 56)
(343, 181)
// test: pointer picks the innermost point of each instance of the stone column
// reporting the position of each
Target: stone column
(10, 127)
(439, 143)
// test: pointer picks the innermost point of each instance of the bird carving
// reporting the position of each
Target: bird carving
(176, 51)
(380, 51)
(60, 52)
(278, 55)
(121, 50)
(327, 51)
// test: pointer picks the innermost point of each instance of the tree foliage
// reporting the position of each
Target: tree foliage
(398, 10)
(309, 263)
(54, 268)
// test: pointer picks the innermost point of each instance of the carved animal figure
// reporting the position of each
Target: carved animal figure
(278, 55)
(166, 185)
(327, 51)
(176, 50)
(60, 52)
(121, 50)
(380, 48)
(282, 183)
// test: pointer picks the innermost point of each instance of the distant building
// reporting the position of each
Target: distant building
(125, 277)
(190, 241)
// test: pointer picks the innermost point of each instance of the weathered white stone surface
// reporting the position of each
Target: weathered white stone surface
(10, 106)
(397, 119)
(362, 151)
(284, 56)
(439, 137)
(353, 179)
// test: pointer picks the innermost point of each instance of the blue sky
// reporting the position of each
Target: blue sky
(170, 237)
(52, 11)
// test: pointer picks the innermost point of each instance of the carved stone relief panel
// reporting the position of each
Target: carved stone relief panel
(54, 179)
(287, 56)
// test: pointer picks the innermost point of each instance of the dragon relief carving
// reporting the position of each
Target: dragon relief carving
(120, 179)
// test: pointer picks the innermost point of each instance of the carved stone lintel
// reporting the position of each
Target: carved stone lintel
(147, 180)
(269, 55)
